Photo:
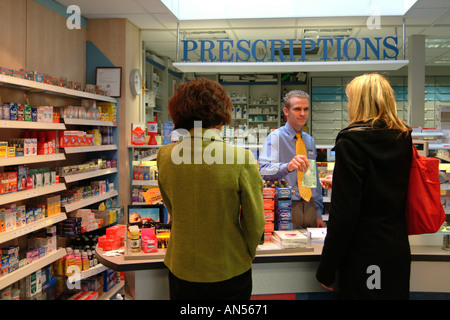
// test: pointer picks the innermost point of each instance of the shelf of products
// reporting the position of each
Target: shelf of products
(4, 162)
(143, 171)
(86, 202)
(31, 193)
(20, 273)
(72, 150)
(10, 124)
(31, 227)
(87, 175)
(24, 124)
(26, 84)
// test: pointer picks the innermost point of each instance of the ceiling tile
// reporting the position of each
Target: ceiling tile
(153, 6)
(89, 7)
(158, 36)
(145, 21)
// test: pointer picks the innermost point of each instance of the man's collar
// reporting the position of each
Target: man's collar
(291, 131)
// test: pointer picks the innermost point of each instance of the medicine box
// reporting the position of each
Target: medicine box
(109, 279)
(22, 172)
(284, 204)
(269, 215)
(269, 226)
(167, 129)
(3, 149)
(281, 225)
(283, 193)
(268, 193)
(284, 215)
(27, 74)
(20, 216)
(38, 76)
(269, 204)
(18, 74)
(47, 78)
(13, 111)
(89, 295)
(6, 71)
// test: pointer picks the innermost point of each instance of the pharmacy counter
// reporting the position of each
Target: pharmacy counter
(284, 272)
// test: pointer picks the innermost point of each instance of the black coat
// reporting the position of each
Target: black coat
(367, 240)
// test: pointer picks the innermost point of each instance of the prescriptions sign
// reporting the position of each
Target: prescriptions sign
(244, 50)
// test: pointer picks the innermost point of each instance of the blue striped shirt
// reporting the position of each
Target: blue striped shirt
(278, 150)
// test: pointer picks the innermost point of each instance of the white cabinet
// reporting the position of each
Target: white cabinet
(11, 87)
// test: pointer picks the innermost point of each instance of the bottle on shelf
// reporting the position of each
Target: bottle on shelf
(77, 258)
(84, 261)
(91, 261)
(69, 260)
(94, 256)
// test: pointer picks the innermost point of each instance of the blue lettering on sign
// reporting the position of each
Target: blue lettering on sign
(186, 48)
(254, 50)
(376, 51)
(273, 48)
(240, 48)
(393, 47)
(380, 48)
(325, 47)
(204, 49)
(227, 50)
(358, 48)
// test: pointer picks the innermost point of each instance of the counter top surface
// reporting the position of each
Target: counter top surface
(119, 263)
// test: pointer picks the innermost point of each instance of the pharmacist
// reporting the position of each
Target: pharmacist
(286, 154)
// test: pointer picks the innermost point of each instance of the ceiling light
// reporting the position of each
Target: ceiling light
(210, 35)
(256, 9)
(437, 43)
(270, 67)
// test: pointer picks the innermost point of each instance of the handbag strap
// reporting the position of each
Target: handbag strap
(415, 152)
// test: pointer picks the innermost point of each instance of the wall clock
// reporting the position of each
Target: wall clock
(135, 81)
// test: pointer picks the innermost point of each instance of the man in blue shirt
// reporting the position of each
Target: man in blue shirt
(279, 159)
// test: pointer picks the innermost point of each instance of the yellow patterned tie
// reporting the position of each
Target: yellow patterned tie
(300, 148)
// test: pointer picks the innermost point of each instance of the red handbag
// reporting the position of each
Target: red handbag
(424, 210)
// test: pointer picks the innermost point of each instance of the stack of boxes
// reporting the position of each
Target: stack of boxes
(269, 212)
(69, 227)
(283, 208)
(88, 222)
(113, 239)
(9, 259)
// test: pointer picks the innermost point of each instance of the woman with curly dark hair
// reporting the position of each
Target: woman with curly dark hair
(213, 193)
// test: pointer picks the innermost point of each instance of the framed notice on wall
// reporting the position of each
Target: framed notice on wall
(110, 79)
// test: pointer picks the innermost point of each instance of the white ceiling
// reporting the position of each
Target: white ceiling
(430, 18)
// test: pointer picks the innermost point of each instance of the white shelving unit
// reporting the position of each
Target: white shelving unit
(31, 227)
(50, 89)
(31, 193)
(99, 268)
(106, 147)
(31, 125)
(87, 122)
(29, 86)
(144, 182)
(15, 276)
(87, 175)
(86, 202)
(32, 159)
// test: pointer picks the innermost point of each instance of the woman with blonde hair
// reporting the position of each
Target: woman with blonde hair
(367, 241)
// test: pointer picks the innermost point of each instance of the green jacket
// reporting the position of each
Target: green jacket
(213, 193)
